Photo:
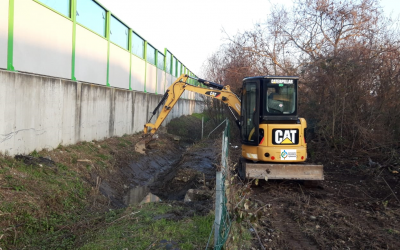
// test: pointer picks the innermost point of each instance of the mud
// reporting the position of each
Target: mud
(194, 170)
(165, 172)
(35, 161)
(140, 195)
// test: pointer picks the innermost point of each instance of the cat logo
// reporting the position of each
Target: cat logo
(213, 93)
(285, 136)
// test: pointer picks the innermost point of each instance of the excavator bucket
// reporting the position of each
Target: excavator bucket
(291, 171)
(141, 146)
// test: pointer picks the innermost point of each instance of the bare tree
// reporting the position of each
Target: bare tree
(347, 55)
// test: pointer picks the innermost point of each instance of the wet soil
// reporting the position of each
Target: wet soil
(355, 207)
(194, 170)
(167, 170)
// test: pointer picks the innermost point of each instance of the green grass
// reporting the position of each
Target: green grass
(136, 228)
(200, 115)
(52, 206)
(40, 201)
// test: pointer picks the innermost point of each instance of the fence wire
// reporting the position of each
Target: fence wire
(222, 222)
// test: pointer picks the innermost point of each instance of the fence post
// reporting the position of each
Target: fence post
(218, 207)
(202, 126)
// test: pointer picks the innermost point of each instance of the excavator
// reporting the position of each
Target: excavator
(273, 137)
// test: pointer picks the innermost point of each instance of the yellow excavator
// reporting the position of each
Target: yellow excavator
(273, 137)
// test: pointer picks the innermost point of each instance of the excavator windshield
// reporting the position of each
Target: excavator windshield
(280, 97)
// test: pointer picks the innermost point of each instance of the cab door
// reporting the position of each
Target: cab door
(250, 112)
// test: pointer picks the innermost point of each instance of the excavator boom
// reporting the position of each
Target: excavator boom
(174, 92)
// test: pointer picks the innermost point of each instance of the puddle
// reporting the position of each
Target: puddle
(168, 173)
(140, 195)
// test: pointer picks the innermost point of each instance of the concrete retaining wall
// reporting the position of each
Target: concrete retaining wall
(38, 112)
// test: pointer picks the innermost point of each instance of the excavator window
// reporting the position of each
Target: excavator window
(250, 113)
(281, 99)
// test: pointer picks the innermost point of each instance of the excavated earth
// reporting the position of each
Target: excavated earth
(357, 206)
(167, 169)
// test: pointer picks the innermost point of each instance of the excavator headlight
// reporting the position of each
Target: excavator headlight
(266, 154)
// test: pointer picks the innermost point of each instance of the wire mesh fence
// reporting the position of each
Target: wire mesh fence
(222, 222)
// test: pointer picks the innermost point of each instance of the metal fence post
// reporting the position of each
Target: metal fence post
(218, 207)
(202, 126)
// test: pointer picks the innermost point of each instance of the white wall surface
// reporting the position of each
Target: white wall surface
(152, 101)
(160, 81)
(140, 111)
(151, 78)
(42, 40)
(119, 67)
(95, 112)
(137, 74)
(3, 33)
(168, 81)
(123, 113)
(90, 57)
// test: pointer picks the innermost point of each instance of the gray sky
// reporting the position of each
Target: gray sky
(192, 30)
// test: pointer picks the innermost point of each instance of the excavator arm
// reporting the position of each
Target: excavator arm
(174, 92)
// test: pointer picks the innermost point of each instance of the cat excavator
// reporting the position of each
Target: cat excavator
(273, 137)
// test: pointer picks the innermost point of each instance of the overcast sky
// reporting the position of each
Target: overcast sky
(192, 30)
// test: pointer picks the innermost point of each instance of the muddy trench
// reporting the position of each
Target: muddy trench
(167, 170)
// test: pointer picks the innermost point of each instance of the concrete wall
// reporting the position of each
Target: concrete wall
(3, 33)
(38, 112)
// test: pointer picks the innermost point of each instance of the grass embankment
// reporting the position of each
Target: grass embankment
(56, 204)
(144, 228)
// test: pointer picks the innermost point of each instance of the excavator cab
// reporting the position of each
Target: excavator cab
(272, 135)
(267, 100)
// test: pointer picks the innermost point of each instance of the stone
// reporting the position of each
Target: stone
(197, 195)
